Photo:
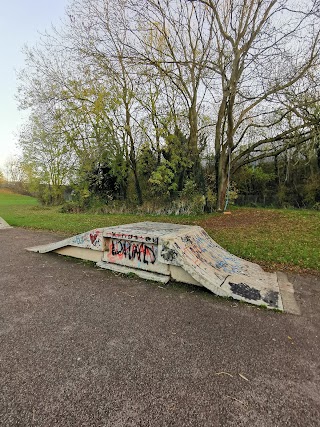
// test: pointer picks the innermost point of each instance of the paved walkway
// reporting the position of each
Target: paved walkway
(80, 346)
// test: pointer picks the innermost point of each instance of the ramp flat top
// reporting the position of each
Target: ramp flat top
(147, 228)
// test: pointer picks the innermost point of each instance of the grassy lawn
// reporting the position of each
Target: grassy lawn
(286, 239)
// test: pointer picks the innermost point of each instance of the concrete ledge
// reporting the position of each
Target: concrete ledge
(81, 253)
(287, 294)
(147, 275)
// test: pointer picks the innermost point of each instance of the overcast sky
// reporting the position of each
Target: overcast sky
(20, 24)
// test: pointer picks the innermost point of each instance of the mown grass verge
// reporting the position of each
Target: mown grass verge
(286, 239)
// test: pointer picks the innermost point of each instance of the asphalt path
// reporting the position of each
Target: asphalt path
(81, 346)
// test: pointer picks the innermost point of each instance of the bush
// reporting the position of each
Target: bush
(71, 207)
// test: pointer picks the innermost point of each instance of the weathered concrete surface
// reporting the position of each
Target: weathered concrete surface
(80, 346)
(289, 302)
(4, 224)
(160, 251)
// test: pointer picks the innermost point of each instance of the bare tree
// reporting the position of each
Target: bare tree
(263, 49)
(173, 40)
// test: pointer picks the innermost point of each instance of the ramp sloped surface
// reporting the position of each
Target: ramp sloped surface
(219, 271)
(4, 224)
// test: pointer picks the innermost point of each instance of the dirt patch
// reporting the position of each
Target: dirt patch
(241, 219)
(287, 268)
(6, 191)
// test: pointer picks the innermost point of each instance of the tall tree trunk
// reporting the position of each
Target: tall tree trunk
(220, 156)
(133, 162)
(193, 138)
(222, 180)
(318, 154)
(132, 153)
(137, 185)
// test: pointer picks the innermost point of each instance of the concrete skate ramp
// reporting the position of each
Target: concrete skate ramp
(4, 224)
(164, 251)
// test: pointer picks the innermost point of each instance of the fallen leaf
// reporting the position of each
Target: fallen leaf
(242, 376)
(224, 373)
(237, 400)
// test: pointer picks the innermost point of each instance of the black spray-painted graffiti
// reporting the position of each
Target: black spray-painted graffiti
(246, 291)
(135, 237)
(168, 254)
(133, 251)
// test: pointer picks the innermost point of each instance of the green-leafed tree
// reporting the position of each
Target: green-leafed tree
(46, 157)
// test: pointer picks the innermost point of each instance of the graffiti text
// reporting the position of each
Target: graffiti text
(133, 251)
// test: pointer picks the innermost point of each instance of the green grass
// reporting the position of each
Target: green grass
(23, 211)
(10, 200)
(288, 239)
